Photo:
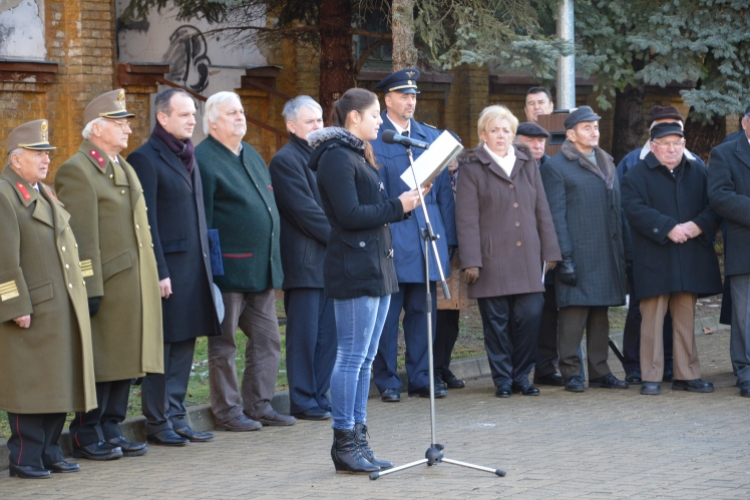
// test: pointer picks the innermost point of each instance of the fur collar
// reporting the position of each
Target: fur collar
(322, 135)
(605, 168)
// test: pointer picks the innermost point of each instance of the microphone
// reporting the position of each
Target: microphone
(391, 137)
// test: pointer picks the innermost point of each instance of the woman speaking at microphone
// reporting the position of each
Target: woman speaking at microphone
(358, 268)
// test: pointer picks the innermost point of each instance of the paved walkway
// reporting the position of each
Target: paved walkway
(600, 444)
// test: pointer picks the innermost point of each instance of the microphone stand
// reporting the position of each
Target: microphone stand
(434, 454)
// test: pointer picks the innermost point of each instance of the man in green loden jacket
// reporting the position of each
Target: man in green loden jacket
(47, 367)
(108, 216)
(239, 202)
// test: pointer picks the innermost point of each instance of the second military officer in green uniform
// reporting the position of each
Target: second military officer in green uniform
(108, 216)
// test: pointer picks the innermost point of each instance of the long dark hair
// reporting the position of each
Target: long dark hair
(354, 100)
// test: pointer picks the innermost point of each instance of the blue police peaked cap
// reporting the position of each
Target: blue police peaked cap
(404, 81)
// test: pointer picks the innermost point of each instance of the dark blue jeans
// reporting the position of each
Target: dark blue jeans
(359, 323)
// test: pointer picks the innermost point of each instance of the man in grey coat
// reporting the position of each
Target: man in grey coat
(584, 198)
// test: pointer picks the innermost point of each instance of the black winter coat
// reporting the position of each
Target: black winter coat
(304, 226)
(729, 192)
(359, 256)
(655, 201)
(176, 215)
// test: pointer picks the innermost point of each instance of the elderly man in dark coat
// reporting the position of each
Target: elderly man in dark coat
(108, 216)
(47, 367)
(172, 186)
(310, 318)
(729, 192)
(238, 197)
(584, 199)
(665, 198)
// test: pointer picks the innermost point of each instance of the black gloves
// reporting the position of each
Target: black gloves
(94, 305)
(566, 271)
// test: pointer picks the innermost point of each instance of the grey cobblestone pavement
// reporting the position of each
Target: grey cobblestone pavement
(600, 444)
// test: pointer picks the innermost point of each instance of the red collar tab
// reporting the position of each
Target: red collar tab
(50, 193)
(95, 155)
(22, 188)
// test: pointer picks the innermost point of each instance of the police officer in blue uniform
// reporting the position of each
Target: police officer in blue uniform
(401, 91)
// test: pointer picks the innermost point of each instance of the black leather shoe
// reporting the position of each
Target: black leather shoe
(551, 379)
(439, 384)
(452, 381)
(390, 396)
(696, 385)
(633, 378)
(98, 451)
(745, 392)
(129, 448)
(62, 467)
(240, 424)
(314, 413)
(651, 388)
(575, 384)
(360, 435)
(608, 381)
(274, 419)
(668, 375)
(327, 408)
(424, 392)
(167, 437)
(194, 437)
(525, 390)
(28, 472)
(347, 455)
(503, 391)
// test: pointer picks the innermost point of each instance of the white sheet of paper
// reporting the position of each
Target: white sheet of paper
(433, 160)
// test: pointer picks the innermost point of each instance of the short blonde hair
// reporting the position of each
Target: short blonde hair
(494, 113)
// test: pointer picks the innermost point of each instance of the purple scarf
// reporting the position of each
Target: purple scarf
(185, 150)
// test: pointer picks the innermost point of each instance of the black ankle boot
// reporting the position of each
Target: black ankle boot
(360, 433)
(346, 455)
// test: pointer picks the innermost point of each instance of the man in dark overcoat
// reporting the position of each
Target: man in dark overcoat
(310, 317)
(171, 180)
(729, 192)
(108, 216)
(238, 197)
(665, 198)
(584, 199)
(401, 91)
(631, 336)
(47, 367)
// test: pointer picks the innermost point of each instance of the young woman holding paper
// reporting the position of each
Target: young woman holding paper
(505, 237)
(358, 268)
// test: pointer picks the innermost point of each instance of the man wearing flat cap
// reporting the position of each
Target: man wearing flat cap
(631, 338)
(584, 198)
(45, 335)
(729, 193)
(535, 137)
(108, 216)
(400, 89)
(665, 198)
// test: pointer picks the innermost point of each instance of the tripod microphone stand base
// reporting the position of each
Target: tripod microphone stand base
(434, 456)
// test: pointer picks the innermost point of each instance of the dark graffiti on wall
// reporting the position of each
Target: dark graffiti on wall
(187, 57)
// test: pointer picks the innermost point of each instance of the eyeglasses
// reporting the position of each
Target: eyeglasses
(124, 124)
(669, 144)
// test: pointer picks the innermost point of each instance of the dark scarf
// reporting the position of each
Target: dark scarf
(605, 168)
(185, 150)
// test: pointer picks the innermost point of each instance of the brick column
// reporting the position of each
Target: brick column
(80, 36)
(262, 106)
(469, 96)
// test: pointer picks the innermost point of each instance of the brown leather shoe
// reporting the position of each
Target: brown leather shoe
(239, 424)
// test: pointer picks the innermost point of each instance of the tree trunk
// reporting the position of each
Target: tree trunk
(337, 70)
(628, 121)
(402, 27)
(701, 138)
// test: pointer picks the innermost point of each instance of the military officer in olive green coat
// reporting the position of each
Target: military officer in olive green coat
(47, 368)
(108, 216)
